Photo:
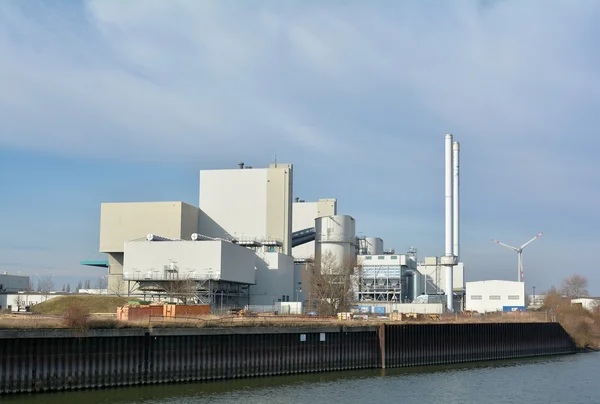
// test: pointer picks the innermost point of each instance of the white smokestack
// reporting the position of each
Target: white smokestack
(456, 201)
(449, 222)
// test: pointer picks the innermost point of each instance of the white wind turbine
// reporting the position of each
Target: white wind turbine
(519, 251)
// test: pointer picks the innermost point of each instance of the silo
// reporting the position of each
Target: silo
(335, 242)
(374, 245)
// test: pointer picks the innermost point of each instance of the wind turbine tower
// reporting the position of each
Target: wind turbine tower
(519, 251)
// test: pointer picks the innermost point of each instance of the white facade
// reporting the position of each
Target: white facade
(588, 303)
(209, 259)
(491, 296)
(13, 283)
(435, 277)
(304, 215)
(248, 203)
(274, 279)
(19, 301)
(123, 222)
(336, 237)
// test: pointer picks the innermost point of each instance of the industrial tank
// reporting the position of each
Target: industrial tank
(374, 245)
(335, 238)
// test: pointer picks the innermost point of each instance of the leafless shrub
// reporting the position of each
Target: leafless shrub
(77, 318)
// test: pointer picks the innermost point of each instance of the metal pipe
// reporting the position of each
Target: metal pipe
(455, 201)
(156, 237)
(449, 222)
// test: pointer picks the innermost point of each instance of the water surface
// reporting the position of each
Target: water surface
(569, 379)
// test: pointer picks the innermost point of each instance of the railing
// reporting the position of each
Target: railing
(161, 275)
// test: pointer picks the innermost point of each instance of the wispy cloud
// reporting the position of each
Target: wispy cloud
(355, 92)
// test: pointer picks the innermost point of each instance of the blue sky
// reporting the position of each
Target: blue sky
(125, 101)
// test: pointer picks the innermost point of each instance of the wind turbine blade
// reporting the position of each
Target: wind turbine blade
(532, 240)
(505, 245)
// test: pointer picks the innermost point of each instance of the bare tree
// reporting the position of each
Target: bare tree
(68, 288)
(87, 284)
(79, 286)
(182, 290)
(575, 286)
(21, 302)
(331, 285)
(45, 286)
(554, 300)
(116, 286)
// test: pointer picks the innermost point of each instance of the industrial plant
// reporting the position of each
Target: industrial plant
(250, 243)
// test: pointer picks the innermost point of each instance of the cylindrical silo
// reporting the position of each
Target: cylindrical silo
(335, 248)
(374, 245)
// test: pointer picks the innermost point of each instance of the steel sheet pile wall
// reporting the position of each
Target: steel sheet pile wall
(431, 344)
(59, 360)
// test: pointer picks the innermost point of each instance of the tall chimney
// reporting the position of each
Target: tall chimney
(455, 201)
(449, 221)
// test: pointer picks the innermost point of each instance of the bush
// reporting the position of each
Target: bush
(77, 317)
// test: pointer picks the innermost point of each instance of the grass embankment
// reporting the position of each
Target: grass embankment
(92, 304)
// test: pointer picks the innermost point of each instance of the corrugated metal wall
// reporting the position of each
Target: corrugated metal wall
(58, 360)
(429, 344)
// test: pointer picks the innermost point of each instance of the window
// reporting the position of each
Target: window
(381, 257)
(475, 297)
(394, 257)
(368, 257)
(494, 297)
(514, 297)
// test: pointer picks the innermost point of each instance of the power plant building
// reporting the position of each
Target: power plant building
(123, 222)
(388, 278)
(250, 243)
(304, 215)
(248, 204)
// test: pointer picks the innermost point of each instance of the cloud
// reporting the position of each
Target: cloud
(356, 94)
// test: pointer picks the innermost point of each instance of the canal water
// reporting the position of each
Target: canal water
(571, 379)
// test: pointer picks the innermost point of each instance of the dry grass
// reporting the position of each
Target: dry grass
(91, 303)
(97, 321)
(583, 326)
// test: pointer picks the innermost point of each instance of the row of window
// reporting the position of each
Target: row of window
(494, 297)
(382, 257)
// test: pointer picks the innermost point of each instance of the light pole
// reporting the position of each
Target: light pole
(533, 296)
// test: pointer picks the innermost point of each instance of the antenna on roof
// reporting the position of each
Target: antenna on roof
(275, 162)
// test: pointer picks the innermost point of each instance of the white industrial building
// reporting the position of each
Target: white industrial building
(248, 204)
(236, 246)
(588, 303)
(388, 278)
(303, 219)
(21, 301)
(494, 295)
(123, 222)
(249, 243)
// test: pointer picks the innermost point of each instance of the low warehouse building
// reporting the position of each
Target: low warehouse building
(491, 296)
